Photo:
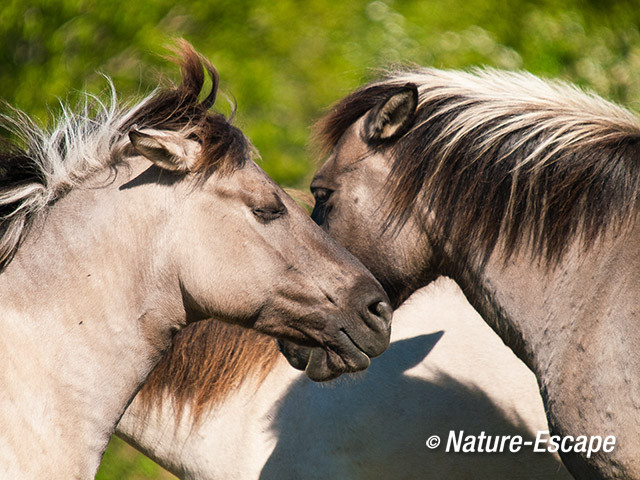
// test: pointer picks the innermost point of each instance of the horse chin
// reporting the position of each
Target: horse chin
(296, 355)
(326, 365)
(318, 367)
(323, 365)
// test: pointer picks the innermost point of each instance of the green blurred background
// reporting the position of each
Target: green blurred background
(285, 62)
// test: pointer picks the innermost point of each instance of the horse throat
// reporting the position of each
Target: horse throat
(82, 327)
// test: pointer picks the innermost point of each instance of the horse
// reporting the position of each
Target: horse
(123, 225)
(525, 192)
(223, 404)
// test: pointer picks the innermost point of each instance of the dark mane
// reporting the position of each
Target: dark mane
(506, 157)
(39, 167)
(179, 108)
(207, 360)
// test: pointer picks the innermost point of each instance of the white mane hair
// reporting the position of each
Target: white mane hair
(524, 103)
(40, 165)
(504, 155)
(68, 152)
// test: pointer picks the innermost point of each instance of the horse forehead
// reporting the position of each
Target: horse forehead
(346, 156)
(253, 174)
(249, 176)
(360, 164)
(249, 183)
(351, 144)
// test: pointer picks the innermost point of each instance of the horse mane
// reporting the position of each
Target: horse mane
(505, 156)
(207, 360)
(38, 167)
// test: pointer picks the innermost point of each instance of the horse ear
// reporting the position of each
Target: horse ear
(168, 150)
(392, 118)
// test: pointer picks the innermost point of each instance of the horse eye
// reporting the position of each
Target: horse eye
(267, 214)
(321, 194)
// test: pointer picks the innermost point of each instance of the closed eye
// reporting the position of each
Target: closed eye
(268, 214)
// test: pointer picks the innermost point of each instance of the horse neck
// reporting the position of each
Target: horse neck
(232, 439)
(537, 308)
(83, 323)
(575, 325)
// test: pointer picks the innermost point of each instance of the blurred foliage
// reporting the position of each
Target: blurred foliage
(123, 462)
(285, 62)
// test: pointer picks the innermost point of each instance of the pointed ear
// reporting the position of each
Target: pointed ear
(168, 150)
(393, 117)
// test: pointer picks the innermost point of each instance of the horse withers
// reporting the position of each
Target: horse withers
(120, 227)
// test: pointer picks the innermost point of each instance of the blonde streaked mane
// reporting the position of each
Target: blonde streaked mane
(206, 362)
(38, 167)
(505, 155)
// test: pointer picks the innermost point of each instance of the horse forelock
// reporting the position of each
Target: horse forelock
(40, 166)
(505, 156)
(206, 362)
(224, 147)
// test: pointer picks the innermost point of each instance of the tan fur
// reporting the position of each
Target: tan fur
(525, 192)
(207, 360)
(42, 167)
(512, 141)
(129, 253)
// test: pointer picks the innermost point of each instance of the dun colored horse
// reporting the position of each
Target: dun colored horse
(525, 192)
(122, 226)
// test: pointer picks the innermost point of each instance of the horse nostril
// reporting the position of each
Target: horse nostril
(380, 315)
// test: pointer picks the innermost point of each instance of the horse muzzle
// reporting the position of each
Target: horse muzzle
(350, 348)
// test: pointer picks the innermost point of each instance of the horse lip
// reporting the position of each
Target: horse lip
(317, 368)
(296, 355)
(344, 330)
(352, 357)
(373, 350)
(355, 344)
(317, 363)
